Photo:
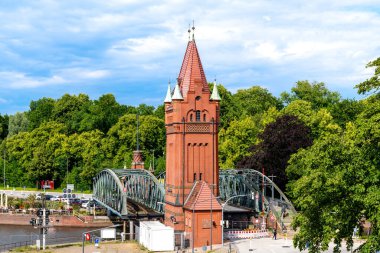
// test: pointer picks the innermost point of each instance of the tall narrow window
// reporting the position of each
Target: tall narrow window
(200, 176)
(195, 177)
(198, 115)
(204, 117)
(191, 117)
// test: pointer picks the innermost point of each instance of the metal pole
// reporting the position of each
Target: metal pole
(223, 225)
(4, 167)
(44, 227)
(82, 242)
(67, 171)
(211, 223)
(192, 230)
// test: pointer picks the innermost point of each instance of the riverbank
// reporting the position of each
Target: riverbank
(126, 247)
(57, 220)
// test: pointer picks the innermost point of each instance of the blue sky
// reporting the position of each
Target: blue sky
(131, 48)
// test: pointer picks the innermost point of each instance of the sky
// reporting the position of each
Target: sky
(131, 48)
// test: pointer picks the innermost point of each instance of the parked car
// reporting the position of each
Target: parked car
(86, 203)
(56, 198)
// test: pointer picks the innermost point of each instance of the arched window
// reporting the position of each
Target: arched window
(198, 115)
(204, 117)
(191, 117)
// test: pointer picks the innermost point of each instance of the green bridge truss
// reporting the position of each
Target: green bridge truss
(116, 189)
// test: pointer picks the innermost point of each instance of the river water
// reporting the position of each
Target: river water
(56, 235)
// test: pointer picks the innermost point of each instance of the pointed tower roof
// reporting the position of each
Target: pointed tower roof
(199, 198)
(168, 98)
(177, 93)
(192, 73)
(215, 94)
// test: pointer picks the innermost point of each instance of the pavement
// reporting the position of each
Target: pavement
(268, 245)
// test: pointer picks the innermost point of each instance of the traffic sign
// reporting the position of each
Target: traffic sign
(88, 237)
(97, 242)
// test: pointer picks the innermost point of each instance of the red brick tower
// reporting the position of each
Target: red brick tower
(191, 118)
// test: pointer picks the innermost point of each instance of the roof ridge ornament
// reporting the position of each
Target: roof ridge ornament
(189, 31)
(177, 93)
(215, 94)
(193, 28)
(168, 98)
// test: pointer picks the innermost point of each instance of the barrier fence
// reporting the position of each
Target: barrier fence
(237, 234)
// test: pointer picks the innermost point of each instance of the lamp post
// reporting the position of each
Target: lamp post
(224, 204)
(4, 165)
(192, 221)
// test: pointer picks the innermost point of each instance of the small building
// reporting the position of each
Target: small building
(155, 236)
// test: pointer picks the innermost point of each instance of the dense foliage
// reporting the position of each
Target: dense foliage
(323, 150)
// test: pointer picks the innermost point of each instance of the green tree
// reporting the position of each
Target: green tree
(159, 112)
(4, 121)
(40, 111)
(229, 109)
(86, 156)
(335, 184)
(320, 121)
(102, 114)
(70, 110)
(346, 110)
(315, 93)
(33, 155)
(373, 83)
(234, 142)
(121, 138)
(255, 100)
(17, 123)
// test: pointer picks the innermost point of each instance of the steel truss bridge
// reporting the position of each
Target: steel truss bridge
(136, 193)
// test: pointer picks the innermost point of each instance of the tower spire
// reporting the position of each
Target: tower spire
(193, 28)
(168, 98)
(177, 93)
(215, 94)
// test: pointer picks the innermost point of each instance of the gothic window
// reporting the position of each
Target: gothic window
(198, 115)
(200, 176)
(195, 177)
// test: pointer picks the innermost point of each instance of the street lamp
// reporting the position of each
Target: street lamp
(192, 221)
(224, 204)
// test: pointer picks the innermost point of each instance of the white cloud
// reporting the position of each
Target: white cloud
(53, 43)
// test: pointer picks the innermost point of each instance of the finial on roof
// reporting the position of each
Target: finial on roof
(189, 31)
(215, 94)
(177, 93)
(168, 98)
(193, 29)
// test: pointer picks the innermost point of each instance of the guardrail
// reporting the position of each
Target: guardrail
(247, 234)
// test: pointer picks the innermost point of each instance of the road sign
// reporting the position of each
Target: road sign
(97, 242)
(70, 187)
(88, 237)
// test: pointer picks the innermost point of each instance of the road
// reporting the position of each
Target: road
(25, 194)
(268, 245)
